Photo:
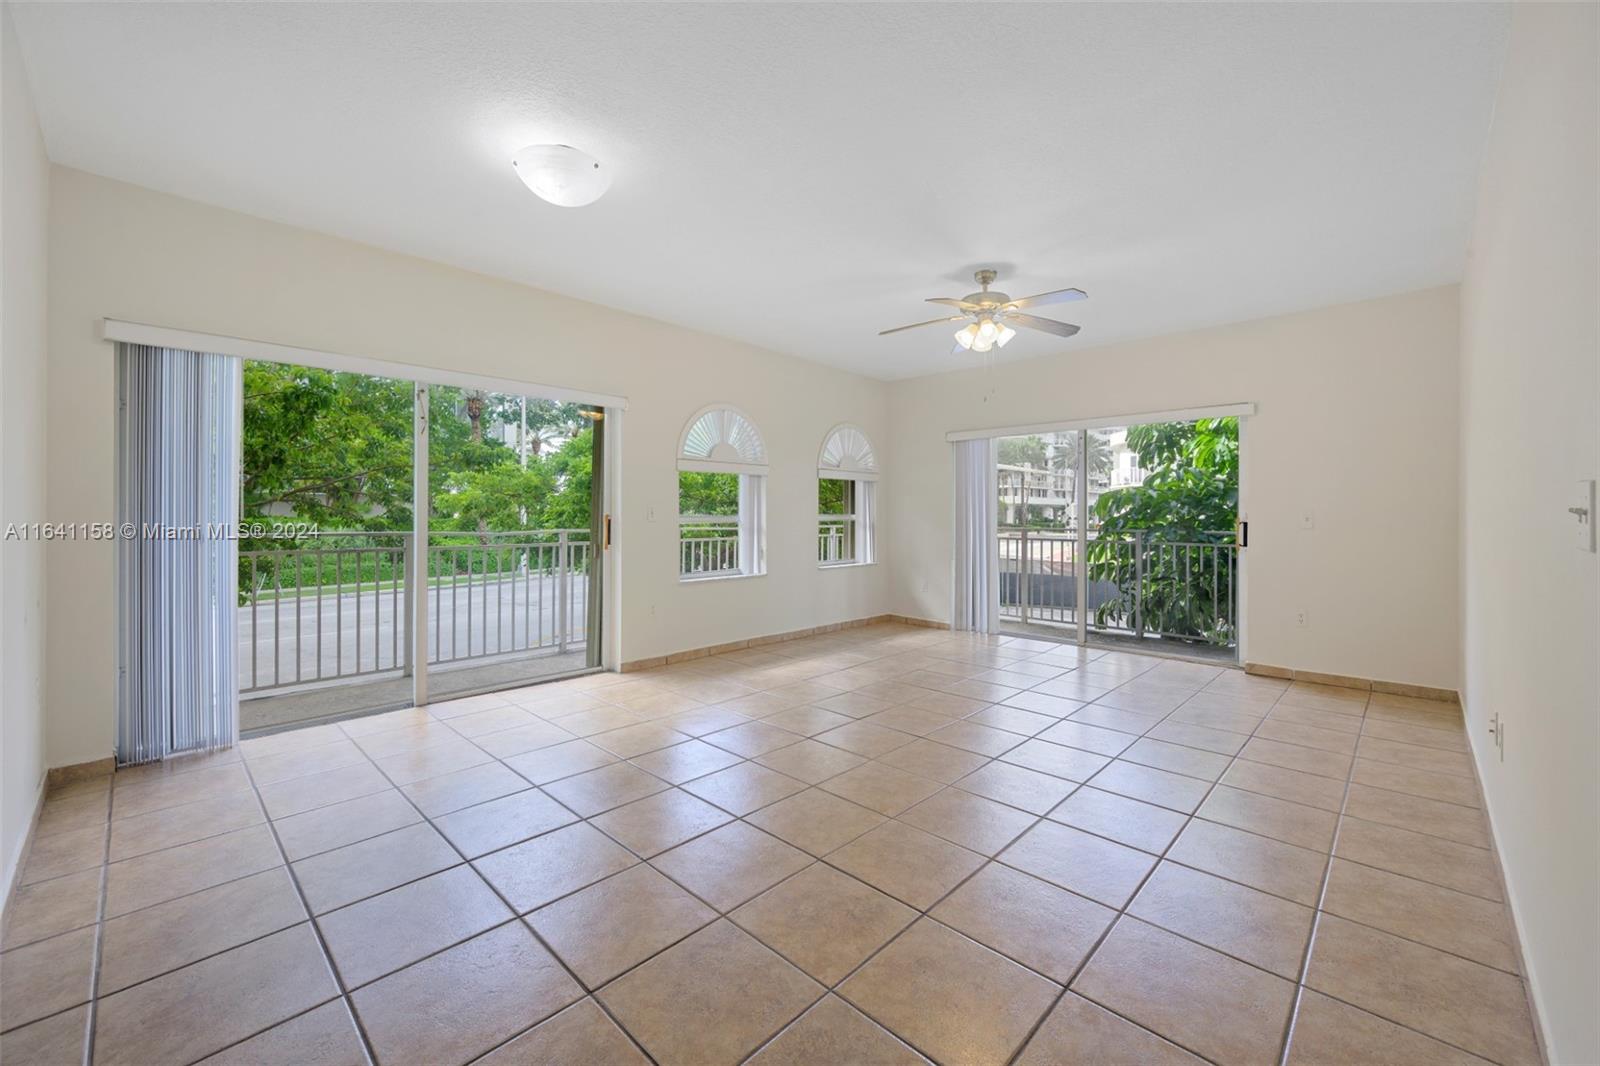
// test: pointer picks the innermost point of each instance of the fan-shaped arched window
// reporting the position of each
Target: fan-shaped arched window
(722, 496)
(847, 475)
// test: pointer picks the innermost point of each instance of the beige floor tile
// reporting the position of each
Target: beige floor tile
(949, 997)
(912, 720)
(64, 853)
(1270, 865)
(865, 739)
(435, 796)
(1039, 703)
(1263, 930)
(1330, 1033)
(1057, 760)
(854, 704)
(1194, 735)
(1452, 921)
(1178, 759)
(652, 825)
(1416, 756)
(912, 866)
(1046, 928)
(744, 788)
(428, 734)
(600, 790)
(502, 822)
(1107, 717)
(271, 769)
(1426, 858)
(291, 740)
(1127, 821)
(729, 865)
(881, 788)
(634, 740)
(203, 1008)
(1226, 715)
(972, 821)
(1297, 757)
(72, 813)
(531, 737)
(338, 824)
(1289, 731)
(1464, 825)
(816, 821)
(355, 871)
(1217, 1006)
(1294, 823)
(1017, 786)
(548, 867)
(618, 922)
(751, 739)
(163, 875)
(1446, 787)
(405, 767)
(153, 941)
(47, 908)
(319, 790)
(710, 1000)
(380, 935)
(456, 1005)
(1013, 719)
(1088, 865)
(1294, 785)
(1161, 787)
(810, 761)
(200, 786)
(1081, 1032)
(835, 1032)
(1446, 739)
(493, 720)
(807, 721)
(326, 1036)
(581, 1035)
(823, 921)
(1452, 999)
(686, 761)
(171, 826)
(935, 761)
(979, 739)
(560, 760)
(59, 1040)
(46, 977)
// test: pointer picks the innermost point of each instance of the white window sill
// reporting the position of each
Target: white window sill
(698, 579)
(844, 566)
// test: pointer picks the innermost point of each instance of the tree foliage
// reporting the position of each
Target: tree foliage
(1165, 528)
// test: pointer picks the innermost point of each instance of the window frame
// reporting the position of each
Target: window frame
(847, 455)
(721, 439)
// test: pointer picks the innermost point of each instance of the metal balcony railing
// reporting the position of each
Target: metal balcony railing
(336, 606)
(1146, 584)
(708, 545)
(836, 539)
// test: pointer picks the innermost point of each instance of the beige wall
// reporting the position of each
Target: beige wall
(24, 207)
(120, 251)
(1530, 400)
(1356, 423)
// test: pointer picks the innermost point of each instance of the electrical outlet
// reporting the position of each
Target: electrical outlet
(1302, 619)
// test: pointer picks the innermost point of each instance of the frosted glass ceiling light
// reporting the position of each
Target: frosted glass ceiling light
(561, 175)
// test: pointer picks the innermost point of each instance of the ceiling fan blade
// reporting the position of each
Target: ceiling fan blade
(919, 325)
(951, 301)
(1048, 325)
(1059, 296)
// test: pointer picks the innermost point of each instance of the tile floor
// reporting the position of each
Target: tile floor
(884, 845)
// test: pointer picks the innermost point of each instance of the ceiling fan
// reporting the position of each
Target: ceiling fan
(990, 316)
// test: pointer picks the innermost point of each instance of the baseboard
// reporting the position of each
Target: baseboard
(771, 638)
(1365, 684)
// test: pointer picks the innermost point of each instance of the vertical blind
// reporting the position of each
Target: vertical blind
(976, 595)
(178, 426)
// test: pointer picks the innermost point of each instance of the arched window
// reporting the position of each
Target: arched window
(722, 496)
(847, 490)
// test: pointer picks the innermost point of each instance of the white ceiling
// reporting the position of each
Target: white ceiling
(802, 176)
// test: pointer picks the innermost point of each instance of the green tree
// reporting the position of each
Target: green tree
(1024, 451)
(1173, 528)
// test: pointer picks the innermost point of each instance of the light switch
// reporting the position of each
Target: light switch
(1582, 512)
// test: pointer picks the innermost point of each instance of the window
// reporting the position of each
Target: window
(847, 486)
(722, 489)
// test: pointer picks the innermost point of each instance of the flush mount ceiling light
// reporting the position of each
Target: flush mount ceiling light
(989, 316)
(561, 175)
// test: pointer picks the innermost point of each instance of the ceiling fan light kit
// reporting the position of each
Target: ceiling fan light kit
(989, 317)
